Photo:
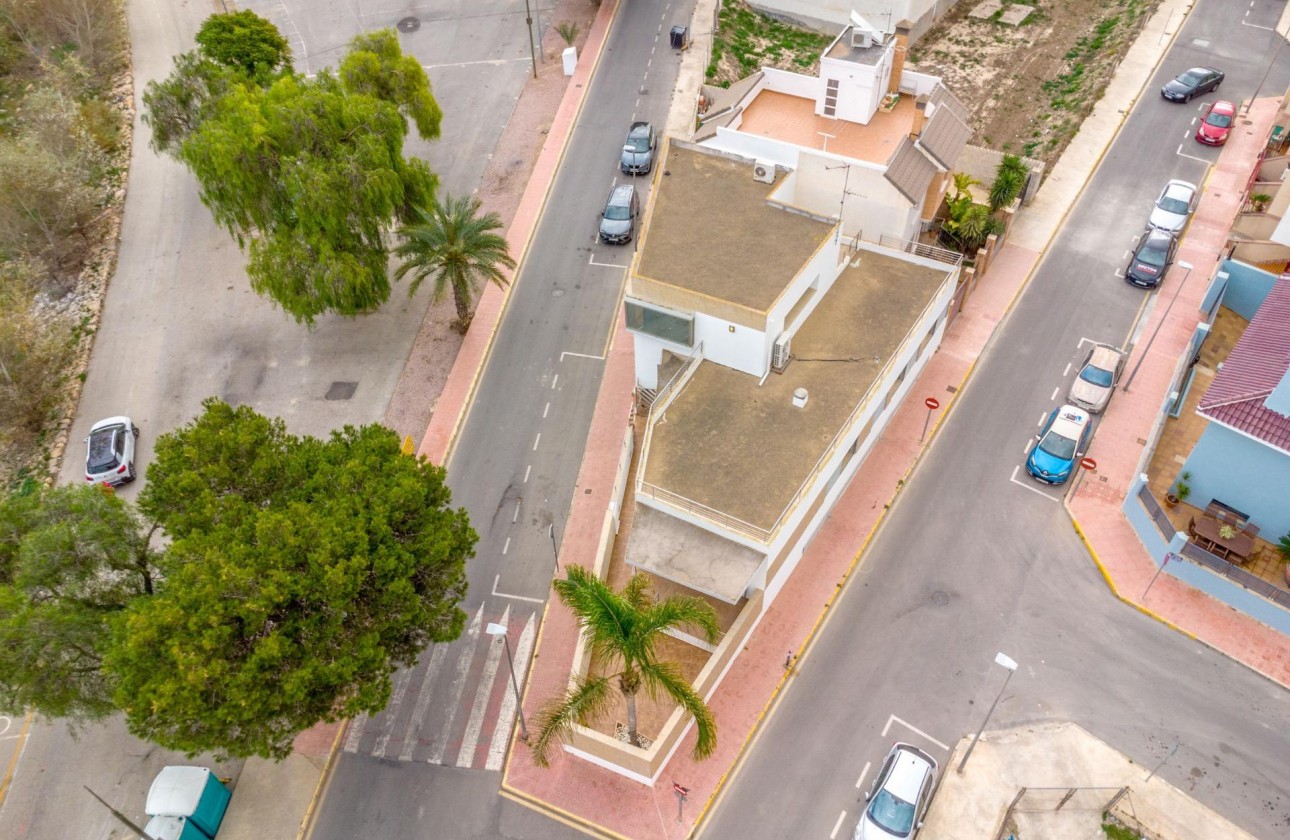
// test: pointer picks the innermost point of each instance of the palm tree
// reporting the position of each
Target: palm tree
(621, 629)
(457, 248)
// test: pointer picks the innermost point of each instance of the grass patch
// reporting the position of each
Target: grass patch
(746, 41)
(1115, 831)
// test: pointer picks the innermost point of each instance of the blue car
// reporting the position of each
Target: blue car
(1062, 441)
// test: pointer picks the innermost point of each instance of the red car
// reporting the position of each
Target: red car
(1216, 124)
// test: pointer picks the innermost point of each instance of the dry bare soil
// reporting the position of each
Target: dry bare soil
(1030, 86)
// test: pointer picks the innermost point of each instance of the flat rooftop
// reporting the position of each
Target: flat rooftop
(792, 119)
(687, 554)
(744, 450)
(712, 231)
(843, 51)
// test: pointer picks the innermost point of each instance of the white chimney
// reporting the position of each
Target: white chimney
(799, 398)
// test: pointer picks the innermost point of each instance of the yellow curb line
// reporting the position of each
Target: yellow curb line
(324, 782)
(17, 754)
(450, 450)
(557, 813)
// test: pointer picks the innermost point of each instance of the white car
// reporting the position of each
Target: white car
(901, 792)
(109, 451)
(1097, 378)
(1174, 206)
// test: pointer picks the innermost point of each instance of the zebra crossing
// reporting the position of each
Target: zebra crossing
(456, 706)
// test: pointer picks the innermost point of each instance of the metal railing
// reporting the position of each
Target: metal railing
(1233, 572)
(1157, 513)
(662, 399)
(919, 249)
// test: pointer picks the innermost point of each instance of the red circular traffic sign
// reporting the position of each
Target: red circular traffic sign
(932, 403)
(1088, 463)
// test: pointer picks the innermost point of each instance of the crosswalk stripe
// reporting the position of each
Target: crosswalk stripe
(501, 735)
(355, 734)
(458, 687)
(401, 681)
(466, 757)
(423, 700)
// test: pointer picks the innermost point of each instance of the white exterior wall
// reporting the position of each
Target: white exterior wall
(831, 15)
(741, 349)
(873, 205)
(754, 147)
(917, 83)
(860, 89)
(793, 84)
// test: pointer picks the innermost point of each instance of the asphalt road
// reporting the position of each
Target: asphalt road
(181, 324)
(970, 562)
(513, 469)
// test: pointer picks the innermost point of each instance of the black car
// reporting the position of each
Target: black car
(1152, 259)
(638, 150)
(1194, 82)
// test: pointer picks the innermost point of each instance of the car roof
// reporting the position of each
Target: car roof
(639, 128)
(1176, 187)
(908, 772)
(119, 420)
(1157, 238)
(1070, 421)
(1104, 356)
(1222, 106)
(621, 194)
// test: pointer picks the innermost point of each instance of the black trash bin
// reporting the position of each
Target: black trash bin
(680, 34)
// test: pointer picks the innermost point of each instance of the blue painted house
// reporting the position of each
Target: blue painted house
(1242, 459)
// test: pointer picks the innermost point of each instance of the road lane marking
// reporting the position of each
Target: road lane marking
(516, 515)
(506, 546)
(497, 579)
(1067, 372)
(893, 719)
(1029, 487)
(423, 700)
(863, 773)
(527, 470)
(458, 688)
(537, 441)
(1055, 390)
(834, 833)
(401, 681)
(355, 733)
(546, 410)
(475, 723)
(555, 380)
(1042, 418)
(501, 735)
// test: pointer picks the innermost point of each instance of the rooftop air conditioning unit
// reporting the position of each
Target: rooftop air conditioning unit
(861, 39)
(764, 171)
(780, 353)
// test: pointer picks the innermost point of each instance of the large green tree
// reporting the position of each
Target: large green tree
(70, 559)
(307, 174)
(457, 248)
(622, 630)
(299, 575)
(245, 41)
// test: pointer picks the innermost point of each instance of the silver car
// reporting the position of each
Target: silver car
(901, 792)
(638, 150)
(618, 222)
(1097, 378)
(1174, 206)
(109, 451)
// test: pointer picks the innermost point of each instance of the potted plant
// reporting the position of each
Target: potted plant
(1180, 492)
(1283, 546)
(1260, 202)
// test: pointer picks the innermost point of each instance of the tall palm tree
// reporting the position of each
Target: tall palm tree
(457, 248)
(621, 629)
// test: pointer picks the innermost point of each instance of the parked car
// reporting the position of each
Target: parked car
(638, 150)
(1151, 261)
(109, 451)
(1097, 378)
(618, 222)
(1174, 207)
(1194, 82)
(899, 797)
(1216, 124)
(1061, 442)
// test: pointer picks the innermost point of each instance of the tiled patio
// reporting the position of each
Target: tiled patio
(1180, 434)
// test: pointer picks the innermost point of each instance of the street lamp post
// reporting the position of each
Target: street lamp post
(528, 19)
(1007, 662)
(1181, 264)
(500, 630)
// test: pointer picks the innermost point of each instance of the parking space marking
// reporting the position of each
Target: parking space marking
(498, 580)
(834, 833)
(1030, 487)
(893, 719)
(863, 773)
(1191, 157)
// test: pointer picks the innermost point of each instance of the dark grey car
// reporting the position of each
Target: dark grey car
(1194, 82)
(1151, 260)
(618, 222)
(638, 150)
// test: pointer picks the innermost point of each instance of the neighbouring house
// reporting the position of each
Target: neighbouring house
(865, 141)
(1242, 459)
(827, 15)
(1260, 236)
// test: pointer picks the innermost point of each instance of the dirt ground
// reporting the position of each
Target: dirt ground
(1030, 86)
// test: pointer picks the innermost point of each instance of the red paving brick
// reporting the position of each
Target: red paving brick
(618, 806)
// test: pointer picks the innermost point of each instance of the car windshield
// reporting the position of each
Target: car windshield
(1192, 77)
(895, 815)
(1169, 204)
(1218, 120)
(617, 213)
(637, 143)
(1096, 376)
(102, 455)
(1059, 446)
(1153, 255)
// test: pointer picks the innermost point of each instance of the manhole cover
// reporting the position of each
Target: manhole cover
(940, 598)
(557, 292)
(409, 24)
(341, 390)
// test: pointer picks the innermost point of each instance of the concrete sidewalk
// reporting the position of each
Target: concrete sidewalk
(610, 805)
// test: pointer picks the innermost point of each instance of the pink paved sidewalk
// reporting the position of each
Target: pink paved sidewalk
(614, 805)
(1095, 505)
(459, 390)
